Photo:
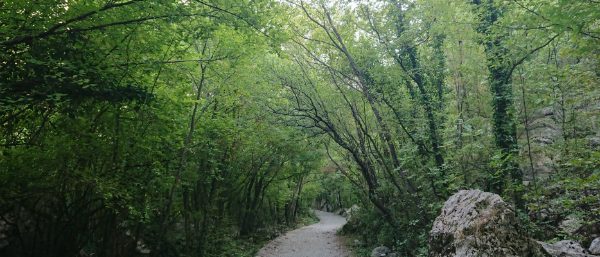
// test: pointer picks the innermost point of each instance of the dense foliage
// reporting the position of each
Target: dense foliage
(141, 124)
(201, 127)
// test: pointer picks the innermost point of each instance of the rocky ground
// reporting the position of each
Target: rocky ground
(473, 223)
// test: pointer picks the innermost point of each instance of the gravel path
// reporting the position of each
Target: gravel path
(317, 240)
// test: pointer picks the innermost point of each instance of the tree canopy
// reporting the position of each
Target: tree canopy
(205, 127)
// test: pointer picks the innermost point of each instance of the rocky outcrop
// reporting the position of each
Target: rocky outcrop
(475, 223)
(571, 224)
(595, 246)
(543, 131)
(565, 248)
(569, 246)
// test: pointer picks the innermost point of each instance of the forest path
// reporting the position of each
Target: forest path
(317, 240)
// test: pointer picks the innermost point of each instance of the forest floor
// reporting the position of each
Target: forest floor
(319, 239)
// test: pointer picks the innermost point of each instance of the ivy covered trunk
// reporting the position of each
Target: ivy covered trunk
(506, 172)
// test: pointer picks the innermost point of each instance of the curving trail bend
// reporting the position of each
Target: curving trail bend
(317, 240)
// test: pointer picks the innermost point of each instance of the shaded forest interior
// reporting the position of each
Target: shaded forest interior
(207, 127)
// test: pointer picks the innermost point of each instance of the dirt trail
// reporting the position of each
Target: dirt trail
(317, 240)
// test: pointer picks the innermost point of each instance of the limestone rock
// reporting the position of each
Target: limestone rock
(570, 246)
(380, 251)
(571, 224)
(352, 210)
(565, 248)
(595, 246)
(474, 223)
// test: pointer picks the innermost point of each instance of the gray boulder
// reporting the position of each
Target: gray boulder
(350, 211)
(595, 246)
(543, 131)
(380, 251)
(570, 246)
(474, 223)
(571, 224)
(565, 248)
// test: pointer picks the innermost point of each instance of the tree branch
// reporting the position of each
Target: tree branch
(55, 29)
